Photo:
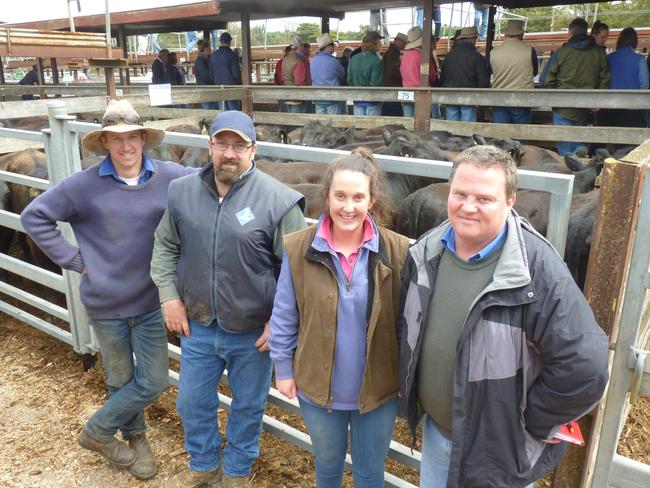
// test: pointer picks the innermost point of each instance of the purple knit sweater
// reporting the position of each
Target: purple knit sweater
(114, 225)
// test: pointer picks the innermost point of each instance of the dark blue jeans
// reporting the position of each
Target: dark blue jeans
(131, 385)
(511, 115)
(204, 356)
(566, 147)
(370, 434)
(463, 113)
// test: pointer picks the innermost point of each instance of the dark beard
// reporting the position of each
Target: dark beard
(226, 176)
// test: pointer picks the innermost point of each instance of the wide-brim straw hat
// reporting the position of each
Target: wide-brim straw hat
(468, 33)
(121, 117)
(414, 38)
(323, 41)
(402, 37)
(514, 27)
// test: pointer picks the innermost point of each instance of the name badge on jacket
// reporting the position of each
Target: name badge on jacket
(245, 216)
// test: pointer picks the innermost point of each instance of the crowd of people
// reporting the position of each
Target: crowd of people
(477, 331)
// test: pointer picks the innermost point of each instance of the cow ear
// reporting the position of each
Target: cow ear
(388, 137)
(479, 139)
(284, 137)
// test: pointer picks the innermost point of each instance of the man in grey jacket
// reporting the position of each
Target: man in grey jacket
(499, 347)
(216, 259)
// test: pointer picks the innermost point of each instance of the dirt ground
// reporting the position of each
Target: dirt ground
(45, 397)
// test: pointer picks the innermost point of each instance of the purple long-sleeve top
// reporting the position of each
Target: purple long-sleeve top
(351, 322)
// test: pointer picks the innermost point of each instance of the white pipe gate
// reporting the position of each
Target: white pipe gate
(61, 143)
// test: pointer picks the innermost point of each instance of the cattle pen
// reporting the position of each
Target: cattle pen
(611, 270)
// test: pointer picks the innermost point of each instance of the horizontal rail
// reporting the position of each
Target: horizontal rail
(30, 181)
(11, 220)
(34, 301)
(37, 323)
(31, 272)
(628, 473)
(27, 135)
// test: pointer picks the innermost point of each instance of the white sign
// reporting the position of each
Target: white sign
(160, 94)
(119, 92)
(406, 96)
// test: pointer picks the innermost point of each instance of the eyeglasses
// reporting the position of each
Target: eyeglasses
(114, 119)
(239, 147)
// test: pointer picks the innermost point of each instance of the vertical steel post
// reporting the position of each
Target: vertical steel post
(60, 165)
(246, 59)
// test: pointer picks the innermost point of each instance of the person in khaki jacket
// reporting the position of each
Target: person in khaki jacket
(514, 65)
(334, 336)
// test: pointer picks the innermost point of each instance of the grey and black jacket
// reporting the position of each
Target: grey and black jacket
(530, 358)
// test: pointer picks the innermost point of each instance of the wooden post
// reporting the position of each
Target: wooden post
(423, 99)
(41, 77)
(605, 285)
(2, 73)
(246, 59)
(122, 42)
(324, 25)
(110, 82)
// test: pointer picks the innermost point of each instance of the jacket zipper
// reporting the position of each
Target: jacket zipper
(330, 397)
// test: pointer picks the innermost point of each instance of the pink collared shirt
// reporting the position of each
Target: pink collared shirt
(347, 263)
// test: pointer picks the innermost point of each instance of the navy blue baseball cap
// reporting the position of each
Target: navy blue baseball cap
(234, 121)
(225, 37)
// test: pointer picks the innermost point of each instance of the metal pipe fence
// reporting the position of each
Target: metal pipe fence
(61, 147)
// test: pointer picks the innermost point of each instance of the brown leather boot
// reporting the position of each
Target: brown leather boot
(117, 453)
(195, 479)
(236, 481)
(145, 464)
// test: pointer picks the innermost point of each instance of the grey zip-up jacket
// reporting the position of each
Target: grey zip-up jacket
(530, 358)
(219, 257)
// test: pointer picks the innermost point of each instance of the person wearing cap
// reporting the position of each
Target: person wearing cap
(114, 208)
(326, 70)
(225, 68)
(216, 259)
(410, 70)
(514, 65)
(158, 67)
(296, 72)
(392, 60)
(464, 67)
(367, 69)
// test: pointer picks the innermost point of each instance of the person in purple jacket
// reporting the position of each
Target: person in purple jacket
(114, 208)
(334, 336)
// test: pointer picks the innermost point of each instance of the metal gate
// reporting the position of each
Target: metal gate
(61, 146)
(628, 381)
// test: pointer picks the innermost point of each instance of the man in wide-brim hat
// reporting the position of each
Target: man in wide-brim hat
(114, 208)
(326, 70)
(514, 66)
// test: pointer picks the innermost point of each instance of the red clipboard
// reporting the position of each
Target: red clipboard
(570, 433)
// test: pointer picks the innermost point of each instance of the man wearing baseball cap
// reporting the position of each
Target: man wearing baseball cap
(225, 68)
(216, 259)
(114, 208)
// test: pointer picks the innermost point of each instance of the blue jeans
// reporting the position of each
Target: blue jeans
(370, 434)
(204, 356)
(436, 455)
(372, 109)
(131, 386)
(481, 21)
(210, 105)
(565, 147)
(437, 20)
(190, 41)
(328, 108)
(229, 105)
(464, 113)
(300, 108)
(511, 115)
(409, 110)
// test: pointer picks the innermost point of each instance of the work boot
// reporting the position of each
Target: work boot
(145, 464)
(235, 481)
(117, 453)
(195, 479)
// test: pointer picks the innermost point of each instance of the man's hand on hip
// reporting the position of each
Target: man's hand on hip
(175, 314)
(262, 343)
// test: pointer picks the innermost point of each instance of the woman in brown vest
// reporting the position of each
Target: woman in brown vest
(334, 324)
